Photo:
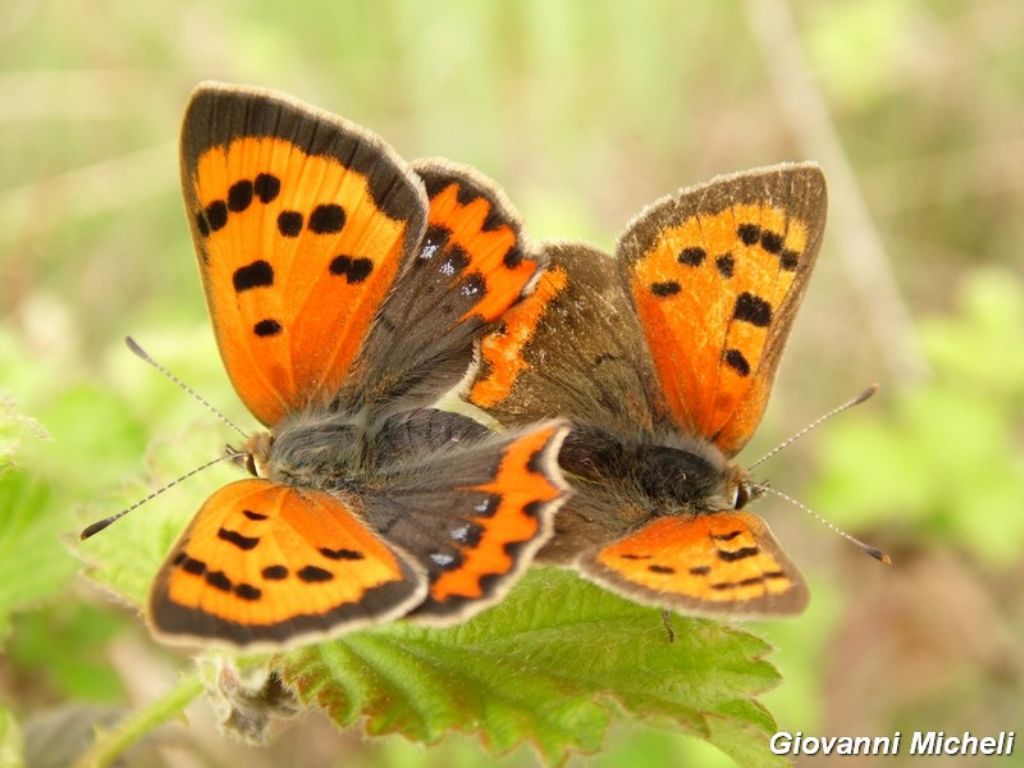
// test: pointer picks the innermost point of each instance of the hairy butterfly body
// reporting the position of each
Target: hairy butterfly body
(663, 358)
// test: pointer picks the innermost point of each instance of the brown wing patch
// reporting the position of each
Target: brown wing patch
(262, 565)
(502, 352)
(715, 276)
(301, 222)
(715, 563)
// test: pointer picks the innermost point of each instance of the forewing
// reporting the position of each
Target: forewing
(716, 274)
(713, 564)
(301, 222)
(472, 515)
(471, 266)
(571, 348)
(267, 566)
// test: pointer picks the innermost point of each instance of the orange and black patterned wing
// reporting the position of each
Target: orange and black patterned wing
(716, 274)
(472, 264)
(471, 509)
(264, 566)
(302, 222)
(724, 563)
(571, 348)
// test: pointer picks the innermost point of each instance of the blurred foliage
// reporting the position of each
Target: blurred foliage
(947, 461)
(584, 113)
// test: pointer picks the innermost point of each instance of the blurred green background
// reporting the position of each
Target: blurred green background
(583, 112)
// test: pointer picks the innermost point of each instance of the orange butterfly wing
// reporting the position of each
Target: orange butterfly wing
(716, 275)
(726, 562)
(473, 230)
(301, 222)
(514, 520)
(263, 565)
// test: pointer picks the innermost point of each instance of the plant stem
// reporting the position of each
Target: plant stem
(110, 744)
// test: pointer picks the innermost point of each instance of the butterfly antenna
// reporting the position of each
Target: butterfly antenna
(879, 554)
(141, 353)
(99, 525)
(865, 395)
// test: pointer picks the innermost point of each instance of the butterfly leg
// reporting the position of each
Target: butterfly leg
(666, 619)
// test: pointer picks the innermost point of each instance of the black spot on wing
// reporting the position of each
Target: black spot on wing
(219, 580)
(738, 554)
(700, 570)
(725, 536)
(311, 574)
(487, 506)
(289, 223)
(268, 327)
(193, 566)
(669, 288)
(473, 285)
(275, 572)
(216, 215)
(666, 569)
(735, 360)
(752, 309)
(355, 270)
(771, 241)
(464, 195)
(692, 257)
(253, 515)
(341, 554)
(725, 264)
(266, 187)
(533, 508)
(326, 219)
(239, 196)
(255, 275)
(455, 260)
(513, 257)
(245, 543)
(749, 233)
(789, 260)
(247, 592)
(467, 534)
(446, 561)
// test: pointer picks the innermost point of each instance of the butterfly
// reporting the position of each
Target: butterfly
(346, 291)
(663, 358)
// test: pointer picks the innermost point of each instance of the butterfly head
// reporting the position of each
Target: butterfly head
(738, 488)
(254, 455)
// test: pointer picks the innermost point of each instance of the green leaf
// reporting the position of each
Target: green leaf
(14, 429)
(12, 749)
(555, 664)
(34, 564)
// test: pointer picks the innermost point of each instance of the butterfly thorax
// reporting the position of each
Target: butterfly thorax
(623, 482)
(320, 450)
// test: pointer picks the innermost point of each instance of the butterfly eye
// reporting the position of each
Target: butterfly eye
(742, 497)
(250, 464)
